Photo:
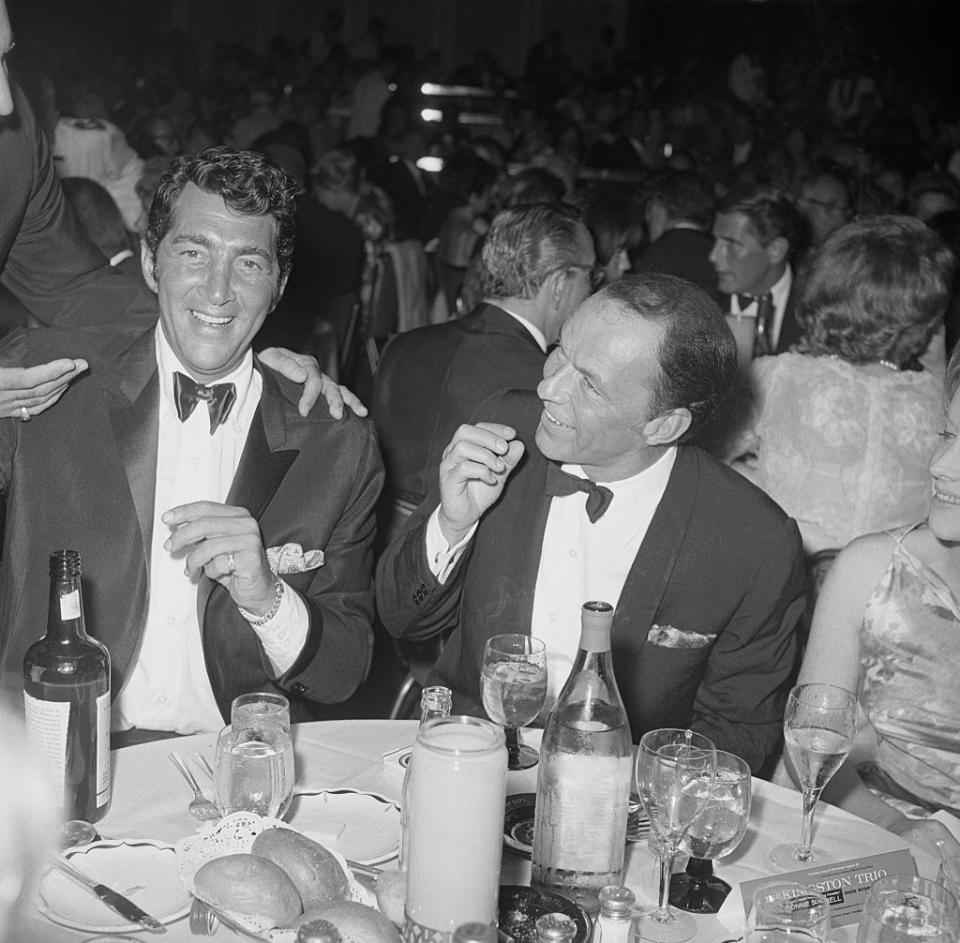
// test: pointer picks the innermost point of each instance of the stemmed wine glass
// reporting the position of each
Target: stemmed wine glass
(675, 779)
(713, 835)
(819, 727)
(513, 684)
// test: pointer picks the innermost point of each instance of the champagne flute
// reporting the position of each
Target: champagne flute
(513, 684)
(675, 776)
(901, 908)
(251, 770)
(819, 727)
(784, 912)
(713, 835)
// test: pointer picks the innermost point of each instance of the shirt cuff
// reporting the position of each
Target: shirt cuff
(283, 636)
(441, 557)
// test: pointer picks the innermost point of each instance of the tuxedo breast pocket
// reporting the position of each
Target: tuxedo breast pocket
(665, 679)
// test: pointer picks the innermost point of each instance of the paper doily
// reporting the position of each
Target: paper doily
(234, 835)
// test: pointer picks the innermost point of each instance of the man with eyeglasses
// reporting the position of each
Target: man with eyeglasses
(824, 203)
(538, 265)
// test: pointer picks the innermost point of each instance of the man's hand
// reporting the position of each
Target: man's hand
(474, 469)
(302, 368)
(225, 543)
(35, 389)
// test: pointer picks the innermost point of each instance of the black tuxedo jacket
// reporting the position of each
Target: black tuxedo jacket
(719, 559)
(433, 379)
(82, 476)
(45, 262)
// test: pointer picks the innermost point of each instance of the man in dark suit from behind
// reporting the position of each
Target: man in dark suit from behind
(705, 571)
(678, 210)
(538, 265)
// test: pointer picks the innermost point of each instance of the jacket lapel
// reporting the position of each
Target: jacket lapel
(263, 464)
(652, 568)
(132, 405)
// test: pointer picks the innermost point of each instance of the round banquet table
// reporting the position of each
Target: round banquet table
(150, 801)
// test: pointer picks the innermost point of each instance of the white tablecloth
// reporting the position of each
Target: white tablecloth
(150, 801)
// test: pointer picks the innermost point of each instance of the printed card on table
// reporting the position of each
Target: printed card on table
(843, 883)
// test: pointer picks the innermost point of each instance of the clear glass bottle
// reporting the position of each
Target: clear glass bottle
(555, 928)
(616, 914)
(435, 701)
(475, 933)
(66, 694)
(583, 778)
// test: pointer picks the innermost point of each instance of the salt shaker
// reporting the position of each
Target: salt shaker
(616, 914)
(555, 928)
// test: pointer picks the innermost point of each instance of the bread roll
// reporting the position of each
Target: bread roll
(315, 872)
(391, 891)
(358, 923)
(251, 885)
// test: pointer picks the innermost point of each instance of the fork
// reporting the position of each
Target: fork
(203, 763)
(200, 806)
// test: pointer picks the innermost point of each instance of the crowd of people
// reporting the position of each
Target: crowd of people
(681, 339)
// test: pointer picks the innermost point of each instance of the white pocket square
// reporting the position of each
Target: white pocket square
(666, 636)
(291, 558)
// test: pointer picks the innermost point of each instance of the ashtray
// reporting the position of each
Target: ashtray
(520, 907)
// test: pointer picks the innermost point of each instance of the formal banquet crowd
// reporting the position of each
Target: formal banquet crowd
(676, 335)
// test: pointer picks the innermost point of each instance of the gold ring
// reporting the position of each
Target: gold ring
(24, 414)
(231, 563)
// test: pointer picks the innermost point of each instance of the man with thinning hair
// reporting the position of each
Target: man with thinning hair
(586, 490)
(538, 265)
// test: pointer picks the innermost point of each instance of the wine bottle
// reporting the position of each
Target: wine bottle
(66, 693)
(435, 701)
(583, 778)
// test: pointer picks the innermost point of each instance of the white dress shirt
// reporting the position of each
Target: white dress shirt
(781, 295)
(532, 329)
(168, 687)
(579, 560)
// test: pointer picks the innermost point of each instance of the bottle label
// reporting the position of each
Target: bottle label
(103, 749)
(48, 723)
(70, 605)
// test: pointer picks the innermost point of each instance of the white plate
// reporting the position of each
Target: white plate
(145, 871)
(362, 826)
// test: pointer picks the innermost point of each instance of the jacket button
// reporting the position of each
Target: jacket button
(299, 687)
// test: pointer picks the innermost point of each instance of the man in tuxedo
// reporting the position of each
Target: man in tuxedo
(756, 233)
(538, 265)
(226, 539)
(705, 571)
(51, 274)
(678, 210)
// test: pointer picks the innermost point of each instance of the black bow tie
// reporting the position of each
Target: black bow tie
(219, 399)
(560, 483)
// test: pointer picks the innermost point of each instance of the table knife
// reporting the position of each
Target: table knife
(113, 899)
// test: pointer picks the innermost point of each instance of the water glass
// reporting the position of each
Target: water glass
(253, 770)
(901, 908)
(456, 795)
(784, 912)
(260, 707)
